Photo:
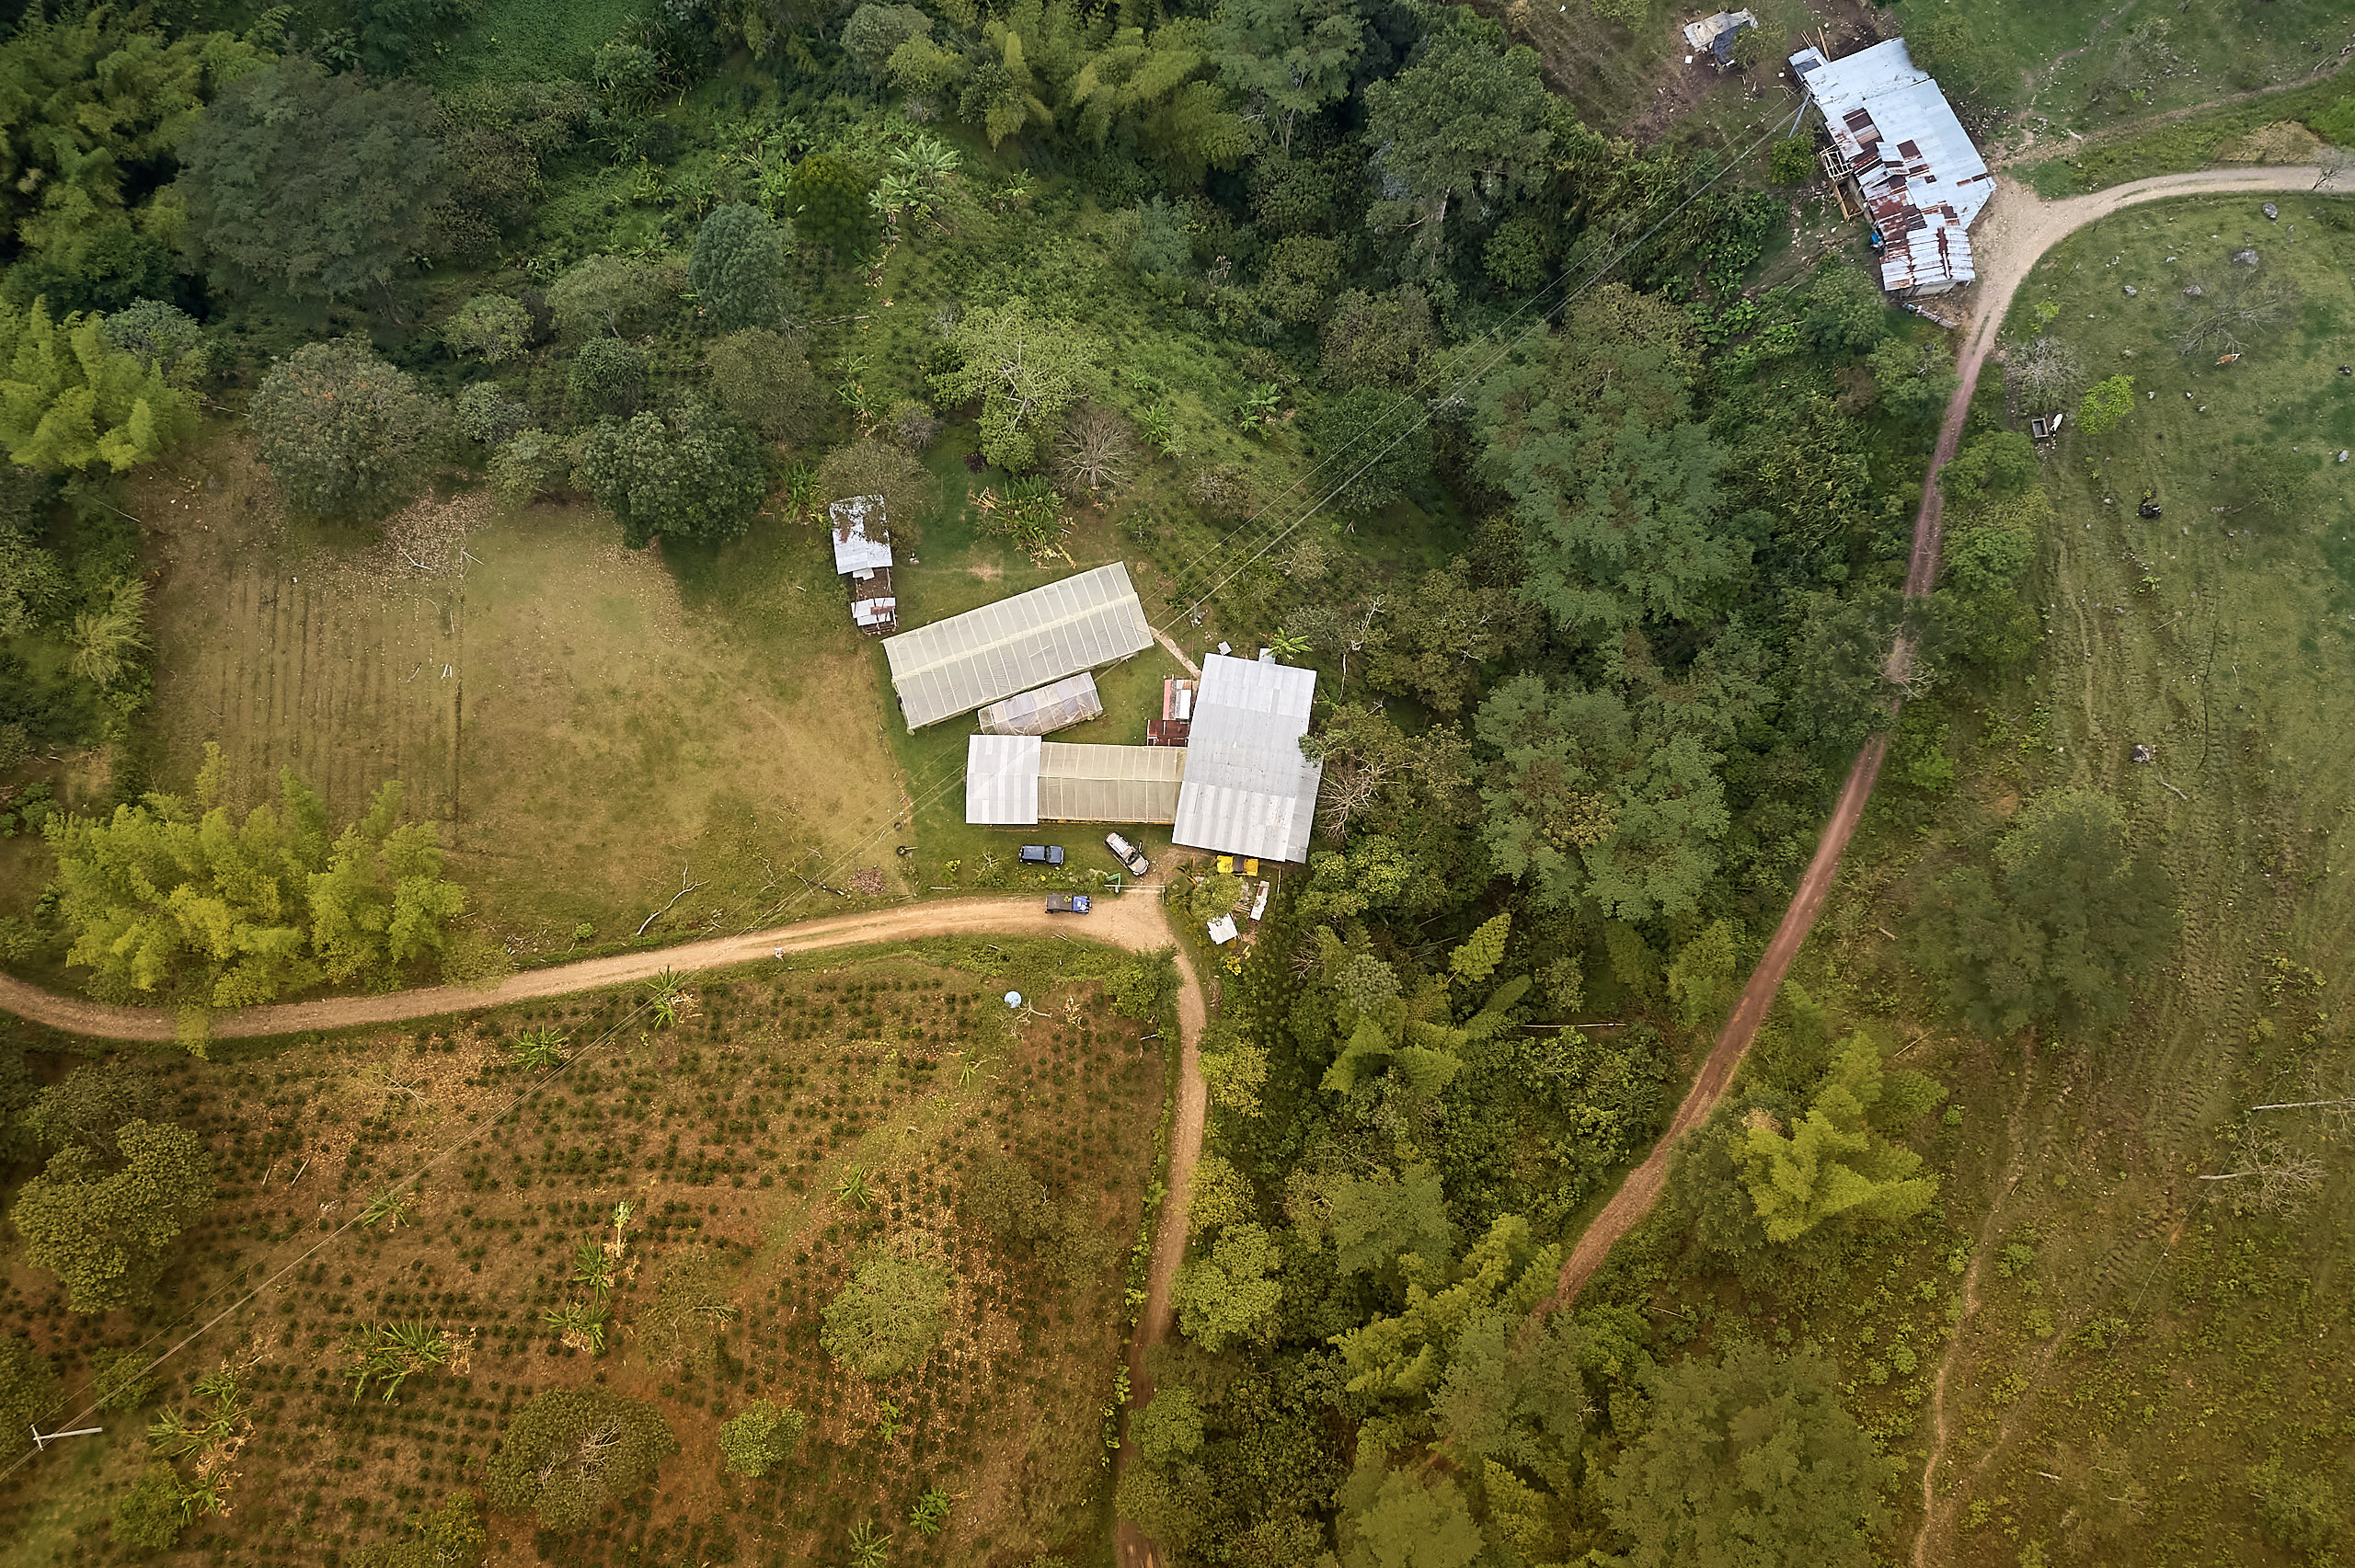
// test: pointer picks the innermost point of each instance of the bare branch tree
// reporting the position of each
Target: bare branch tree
(2280, 1181)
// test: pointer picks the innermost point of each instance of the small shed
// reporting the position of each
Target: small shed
(863, 554)
(1714, 36)
(1042, 710)
(2044, 427)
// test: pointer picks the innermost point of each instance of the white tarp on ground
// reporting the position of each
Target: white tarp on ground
(1002, 780)
(1056, 705)
(954, 666)
(1248, 791)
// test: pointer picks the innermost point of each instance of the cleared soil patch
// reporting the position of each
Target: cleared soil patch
(792, 1121)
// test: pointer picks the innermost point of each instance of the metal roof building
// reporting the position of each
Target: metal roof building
(863, 554)
(1057, 705)
(1002, 780)
(954, 666)
(1921, 179)
(1109, 784)
(1248, 791)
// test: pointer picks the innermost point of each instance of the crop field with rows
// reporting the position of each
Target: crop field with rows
(655, 1214)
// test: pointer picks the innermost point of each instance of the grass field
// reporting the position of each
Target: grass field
(2119, 1343)
(797, 1118)
(599, 727)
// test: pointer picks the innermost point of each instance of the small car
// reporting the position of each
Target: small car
(1042, 854)
(1066, 903)
(1127, 853)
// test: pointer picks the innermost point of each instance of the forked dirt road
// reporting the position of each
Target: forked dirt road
(1137, 923)
(2018, 228)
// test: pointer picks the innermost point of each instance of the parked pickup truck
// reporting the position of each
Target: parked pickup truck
(1042, 854)
(1127, 853)
(1066, 903)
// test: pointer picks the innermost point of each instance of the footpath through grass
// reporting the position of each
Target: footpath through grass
(794, 1124)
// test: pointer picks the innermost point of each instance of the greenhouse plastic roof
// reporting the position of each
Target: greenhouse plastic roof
(1057, 705)
(954, 666)
(1248, 791)
(1002, 780)
(1109, 784)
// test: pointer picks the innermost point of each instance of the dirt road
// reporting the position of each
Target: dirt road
(2017, 229)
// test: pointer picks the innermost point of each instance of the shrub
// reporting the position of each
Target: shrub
(492, 327)
(529, 465)
(570, 1452)
(149, 1515)
(1377, 445)
(759, 1437)
(1792, 162)
(763, 378)
(28, 1393)
(875, 32)
(605, 293)
(163, 336)
(1378, 340)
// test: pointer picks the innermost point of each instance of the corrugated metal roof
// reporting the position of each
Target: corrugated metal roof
(1109, 784)
(954, 666)
(1248, 791)
(1923, 182)
(1042, 711)
(862, 534)
(1002, 780)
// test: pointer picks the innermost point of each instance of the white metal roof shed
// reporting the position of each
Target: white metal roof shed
(1921, 178)
(1248, 791)
(862, 534)
(1057, 705)
(1109, 784)
(1002, 780)
(954, 666)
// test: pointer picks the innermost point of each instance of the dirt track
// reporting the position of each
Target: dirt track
(2017, 229)
(1136, 922)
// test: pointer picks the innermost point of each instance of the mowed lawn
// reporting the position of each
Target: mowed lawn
(599, 726)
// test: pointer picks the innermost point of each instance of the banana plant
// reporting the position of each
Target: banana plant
(540, 1047)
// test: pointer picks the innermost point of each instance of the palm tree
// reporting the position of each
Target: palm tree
(593, 1268)
(543, 1046)
(870, 1548)
(852, 1188)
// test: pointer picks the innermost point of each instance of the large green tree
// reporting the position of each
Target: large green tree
(738, 267)
(1830, 1164)
(106, 1232)
(1749, 1463)
(177, 896)
(1468, 124)
(763, 378)
(1027, 369)
(691, 473)
(570, 1453)
(1229, 1293)
(304, 183)
(1591, 433)
(91, 104)
(344, 433)
(1295, 56)
(2073, 913)
(889, 1314)
(1593, 801)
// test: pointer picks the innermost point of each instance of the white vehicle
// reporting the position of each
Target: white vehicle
(1127, 853)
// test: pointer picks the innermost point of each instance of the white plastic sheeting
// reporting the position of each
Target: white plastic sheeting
(954, 666)
(1056, 705)
(1248, 791)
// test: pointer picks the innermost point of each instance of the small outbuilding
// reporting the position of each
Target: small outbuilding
(863, 554)
(1042, 710)
(1714, 36)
